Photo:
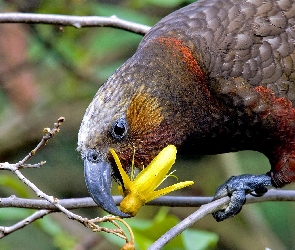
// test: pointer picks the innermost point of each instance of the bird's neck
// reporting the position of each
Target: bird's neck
(175, 75)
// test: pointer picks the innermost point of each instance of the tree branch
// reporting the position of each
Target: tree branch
(190, 220)
(207, 206)
(213, 206)
(35, 216)
(75, 21)
(171, 201)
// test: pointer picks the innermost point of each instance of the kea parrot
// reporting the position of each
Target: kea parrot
(215, 76)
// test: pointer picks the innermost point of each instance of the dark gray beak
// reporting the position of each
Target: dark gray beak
(98, 182)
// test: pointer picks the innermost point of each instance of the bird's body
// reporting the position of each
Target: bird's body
(215, 76)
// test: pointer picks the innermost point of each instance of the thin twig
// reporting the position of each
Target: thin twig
(15, 168)
(119, 231)
(4, 231)
(76, 21)
(48, 134)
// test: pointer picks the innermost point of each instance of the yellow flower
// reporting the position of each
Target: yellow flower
(139, 191)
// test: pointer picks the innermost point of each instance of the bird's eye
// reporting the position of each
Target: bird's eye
(119, 128)
(93, 156)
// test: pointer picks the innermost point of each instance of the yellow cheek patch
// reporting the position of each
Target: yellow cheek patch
(139, 191)
(144, 113)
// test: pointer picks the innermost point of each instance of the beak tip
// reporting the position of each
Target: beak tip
(98, 182)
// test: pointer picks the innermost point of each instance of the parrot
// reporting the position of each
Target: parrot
(213, 77)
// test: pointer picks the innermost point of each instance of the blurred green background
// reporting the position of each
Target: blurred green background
(50, 71)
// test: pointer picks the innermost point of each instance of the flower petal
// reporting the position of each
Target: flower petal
(128, 185)
(152, 176)
(142, 189)
(167, 190)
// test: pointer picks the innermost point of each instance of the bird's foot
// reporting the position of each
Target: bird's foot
(237, 187)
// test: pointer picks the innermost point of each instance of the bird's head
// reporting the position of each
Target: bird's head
(124, 118)
(143, 107)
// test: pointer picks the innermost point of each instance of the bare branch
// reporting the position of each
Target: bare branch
(171, 201)
(75, 203)
(213, 206)
(190, 220)
(4, 231)
(75, 21)
(14, 201)
(15, 168)
(48, 134)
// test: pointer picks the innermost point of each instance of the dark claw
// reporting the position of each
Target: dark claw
(258, 192)
(98, 182)
(237, 187)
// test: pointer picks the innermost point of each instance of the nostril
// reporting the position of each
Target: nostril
(94, 156)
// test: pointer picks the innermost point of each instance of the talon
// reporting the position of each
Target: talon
(237, 187)
(238, 199)
(258, 192)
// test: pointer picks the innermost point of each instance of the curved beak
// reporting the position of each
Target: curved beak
(98, 182)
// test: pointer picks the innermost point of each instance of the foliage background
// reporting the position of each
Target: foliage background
(49, 71)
